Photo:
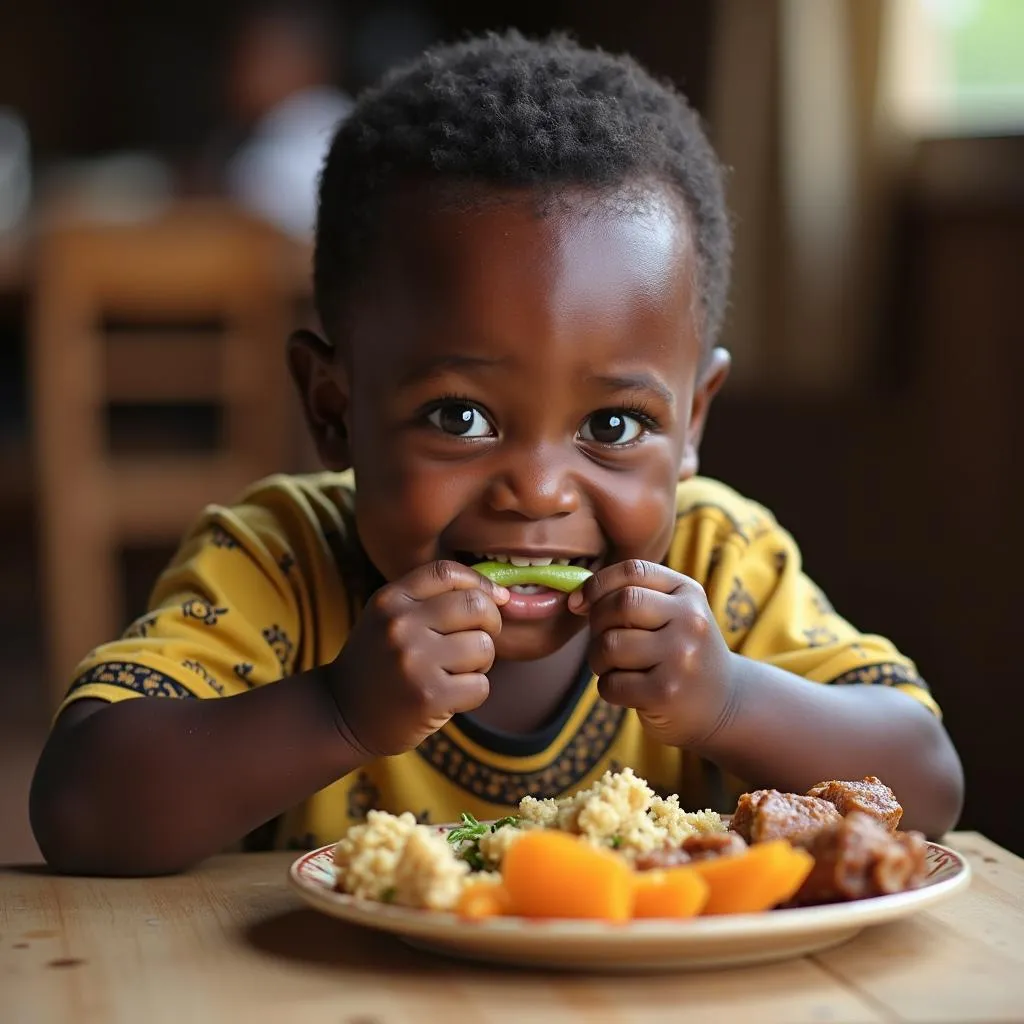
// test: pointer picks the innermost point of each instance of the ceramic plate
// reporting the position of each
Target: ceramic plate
(640, 945)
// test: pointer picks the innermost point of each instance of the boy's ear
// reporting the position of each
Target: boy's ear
(323, 384)
(709, 384)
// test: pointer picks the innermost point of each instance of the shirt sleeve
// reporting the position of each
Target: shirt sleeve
(769, 610)
(225, 616)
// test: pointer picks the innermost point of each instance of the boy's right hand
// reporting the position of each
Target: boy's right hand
(417, 655)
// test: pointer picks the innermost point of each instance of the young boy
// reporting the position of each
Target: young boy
(521, 266)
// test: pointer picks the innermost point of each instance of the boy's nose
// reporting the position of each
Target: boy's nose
(535, 485)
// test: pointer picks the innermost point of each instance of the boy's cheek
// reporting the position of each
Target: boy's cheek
(401, 527)
(638, 507)
(640, 531)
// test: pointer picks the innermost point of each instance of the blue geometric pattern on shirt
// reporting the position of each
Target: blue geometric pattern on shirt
(363, 797)
(129, 676)
(750, 528)
(201, 670)
(243, 670)
(203, 610)
(740, 608)
(220, 538)
(280, 643)
(714, 560)
(139, 629)
(819, 636)
(882, 673)
(574, 761)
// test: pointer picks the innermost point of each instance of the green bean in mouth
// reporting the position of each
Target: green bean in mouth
(566, 578)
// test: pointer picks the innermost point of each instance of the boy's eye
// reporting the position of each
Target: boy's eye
(611, 426)
(460, 419)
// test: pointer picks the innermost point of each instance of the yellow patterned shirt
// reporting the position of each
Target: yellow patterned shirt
(270, 587)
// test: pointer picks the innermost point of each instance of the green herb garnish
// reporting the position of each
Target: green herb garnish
(473, 857)
(511, 821)
(467, 838)
(388, 895)
(468, 831)
(616, 842)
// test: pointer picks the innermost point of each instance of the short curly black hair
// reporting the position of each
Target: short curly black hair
(505, 111)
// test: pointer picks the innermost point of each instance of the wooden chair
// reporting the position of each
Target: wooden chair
(191, 307)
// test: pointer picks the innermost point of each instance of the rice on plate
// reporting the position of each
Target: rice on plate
(393, 859)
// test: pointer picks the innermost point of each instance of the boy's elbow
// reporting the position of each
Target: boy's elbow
(943, 780)
(950, 790)
(76, 836)
(69, 840)
(61, 825)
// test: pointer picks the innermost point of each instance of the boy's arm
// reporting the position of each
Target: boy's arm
(657, 646)
(781, 732)
(152, 786)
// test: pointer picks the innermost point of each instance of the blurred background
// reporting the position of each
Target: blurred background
(156, 193)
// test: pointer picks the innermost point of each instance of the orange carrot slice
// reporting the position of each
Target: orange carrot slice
(758, 879)
(674, 892)
(552, 874)
(482, 899)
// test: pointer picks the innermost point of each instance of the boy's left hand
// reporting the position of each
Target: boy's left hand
(656, 647)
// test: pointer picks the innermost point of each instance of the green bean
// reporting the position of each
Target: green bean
(558, 577)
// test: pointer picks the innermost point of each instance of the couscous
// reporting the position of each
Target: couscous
(393, 859)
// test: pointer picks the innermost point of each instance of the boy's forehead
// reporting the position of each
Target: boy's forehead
(522, 265)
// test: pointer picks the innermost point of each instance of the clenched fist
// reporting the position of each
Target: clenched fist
(656, 647)
(417, 655)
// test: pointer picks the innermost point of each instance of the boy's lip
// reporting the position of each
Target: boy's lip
(545, 604)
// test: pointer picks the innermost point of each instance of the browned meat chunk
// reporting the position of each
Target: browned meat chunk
(714, 844)
(699, 847)
(869, 796)
(857, 858)
(658, 860)
(768, 814)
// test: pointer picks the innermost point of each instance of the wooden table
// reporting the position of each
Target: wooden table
(230, 942)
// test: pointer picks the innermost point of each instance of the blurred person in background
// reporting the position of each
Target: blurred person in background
(283, 106)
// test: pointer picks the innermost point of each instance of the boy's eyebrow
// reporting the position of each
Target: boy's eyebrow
(636, 382)
(435, 365)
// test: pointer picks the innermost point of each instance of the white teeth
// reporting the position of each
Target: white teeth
(520, 560)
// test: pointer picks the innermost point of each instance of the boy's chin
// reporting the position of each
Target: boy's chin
(530, 641)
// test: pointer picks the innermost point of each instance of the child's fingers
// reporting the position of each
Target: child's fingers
(442, 577)
(460, 610)
(629, 689)
(467, 652)
(465, 692)
(623, 649)
(634, 572)
(633, 608)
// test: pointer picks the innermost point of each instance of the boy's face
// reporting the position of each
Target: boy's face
(519, 385)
